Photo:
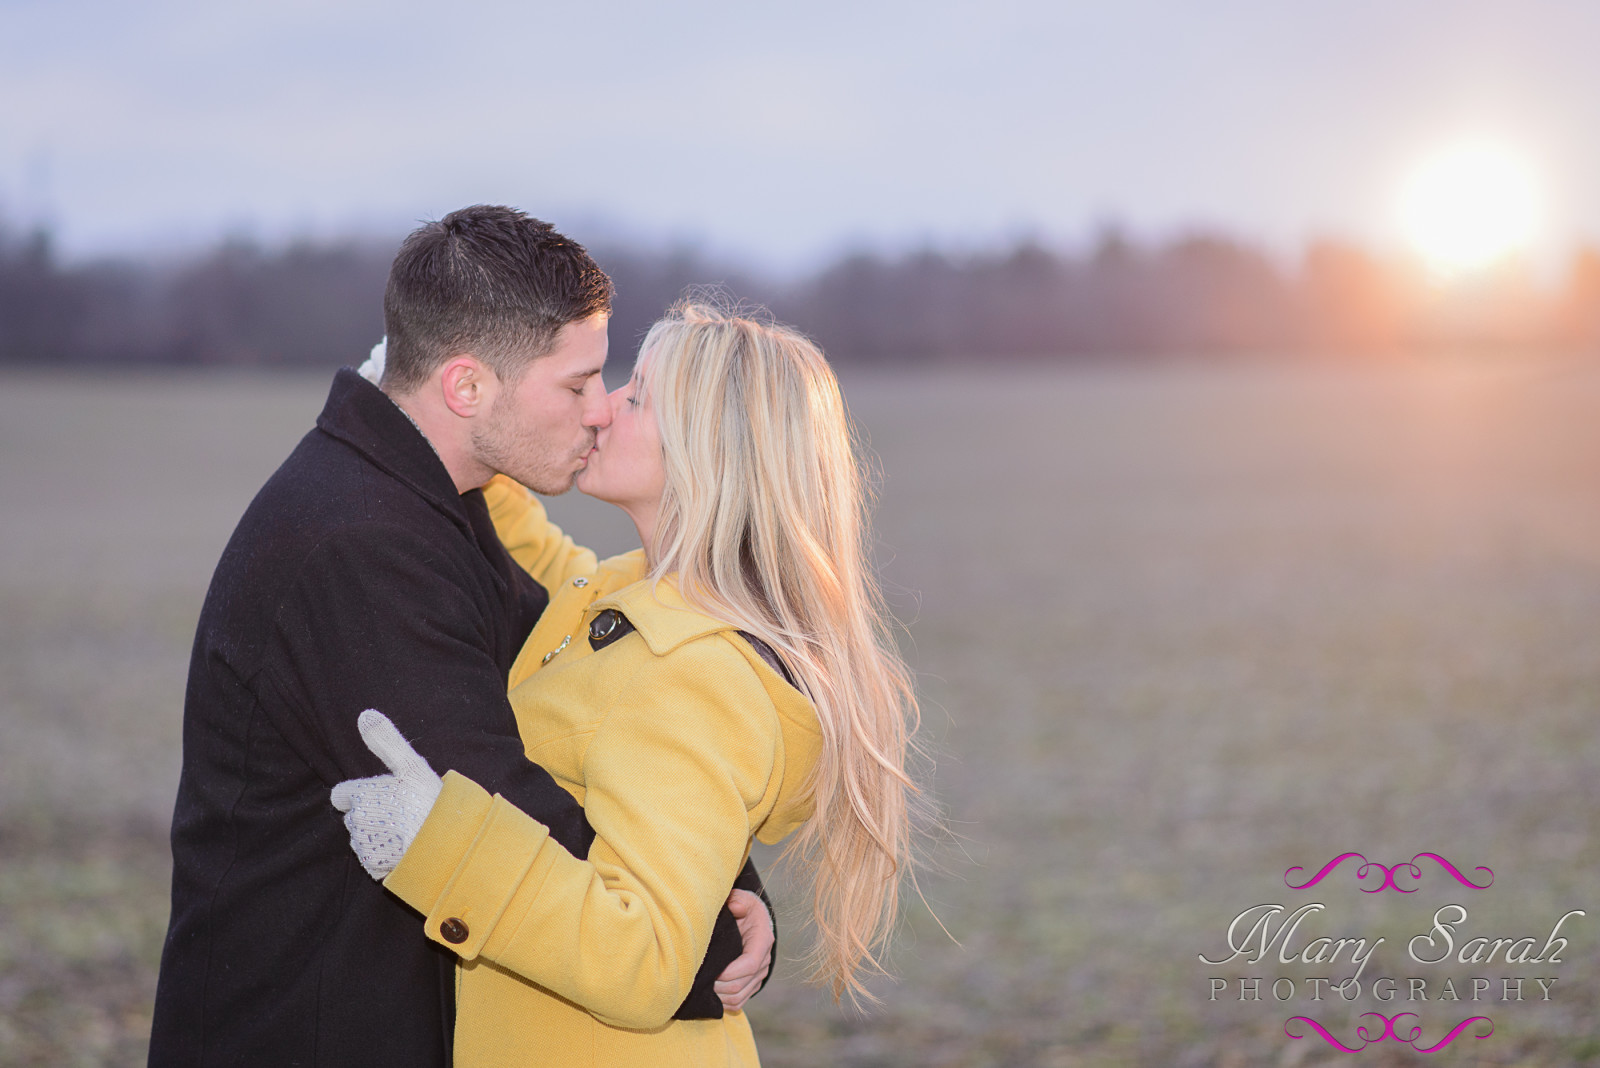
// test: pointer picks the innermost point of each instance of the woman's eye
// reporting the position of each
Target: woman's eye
(633, 401)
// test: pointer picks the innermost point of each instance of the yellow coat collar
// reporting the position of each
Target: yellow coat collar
(661, 617)
(660, 614)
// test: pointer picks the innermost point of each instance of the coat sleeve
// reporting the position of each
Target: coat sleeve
(380, 618)
(533, 541)
(672, 775)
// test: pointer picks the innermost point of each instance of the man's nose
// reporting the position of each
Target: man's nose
(597, 411)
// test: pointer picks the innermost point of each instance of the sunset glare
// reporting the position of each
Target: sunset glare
(1470, 206)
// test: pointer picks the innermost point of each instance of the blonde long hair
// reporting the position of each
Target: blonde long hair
(763, 519)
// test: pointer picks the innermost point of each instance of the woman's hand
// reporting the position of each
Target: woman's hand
(742, 978)
(384, 813)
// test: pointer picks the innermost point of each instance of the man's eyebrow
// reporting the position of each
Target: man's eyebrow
(576, 375)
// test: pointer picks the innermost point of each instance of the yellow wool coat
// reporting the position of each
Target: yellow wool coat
(682, 744)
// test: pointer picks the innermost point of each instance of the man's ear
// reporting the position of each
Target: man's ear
(467, 385)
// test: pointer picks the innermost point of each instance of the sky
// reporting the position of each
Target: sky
(782, 134)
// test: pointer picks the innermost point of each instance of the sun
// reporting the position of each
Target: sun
(1470, 206)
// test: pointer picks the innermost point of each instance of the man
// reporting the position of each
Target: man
(366, 573)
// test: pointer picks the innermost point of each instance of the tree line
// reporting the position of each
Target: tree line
(309, 303)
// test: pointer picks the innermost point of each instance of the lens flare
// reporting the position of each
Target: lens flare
(1470, 206)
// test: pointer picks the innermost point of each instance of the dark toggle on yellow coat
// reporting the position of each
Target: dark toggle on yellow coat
(682, 744)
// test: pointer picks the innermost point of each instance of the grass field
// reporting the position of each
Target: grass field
(1177, 629)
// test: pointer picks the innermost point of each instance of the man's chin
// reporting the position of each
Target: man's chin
(545, 485)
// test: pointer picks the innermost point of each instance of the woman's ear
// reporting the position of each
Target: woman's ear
(467, 385)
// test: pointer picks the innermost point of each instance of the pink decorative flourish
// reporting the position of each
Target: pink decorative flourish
(1451, 1037)
(1388, 883)
(1323, 1031)
(1413, 1032)
(1326, 868)
(1451, 868)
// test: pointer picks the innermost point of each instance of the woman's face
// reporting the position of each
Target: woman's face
(626, 467)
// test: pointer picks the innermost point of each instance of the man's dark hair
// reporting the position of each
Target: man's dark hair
(485, 280)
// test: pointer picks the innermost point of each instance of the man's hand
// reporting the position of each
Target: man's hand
(741, 979)
(384, 813)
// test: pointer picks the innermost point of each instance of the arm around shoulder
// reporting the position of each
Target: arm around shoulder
(408, 640)
(534, 542)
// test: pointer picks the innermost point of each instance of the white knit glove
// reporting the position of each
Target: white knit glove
(384, 813)
(372, 370)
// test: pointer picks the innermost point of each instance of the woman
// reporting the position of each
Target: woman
(733, 679)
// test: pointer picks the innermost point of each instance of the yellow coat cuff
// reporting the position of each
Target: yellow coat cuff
(469, 860)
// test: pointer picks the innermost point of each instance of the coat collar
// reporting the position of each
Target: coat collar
(660, 614)
(665, 621)
(362, 416)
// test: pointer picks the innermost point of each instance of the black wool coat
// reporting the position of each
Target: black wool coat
(358, 578)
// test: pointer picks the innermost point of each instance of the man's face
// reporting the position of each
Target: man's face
(540, 431)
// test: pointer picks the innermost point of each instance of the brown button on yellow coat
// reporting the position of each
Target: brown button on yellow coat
(682, 744)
